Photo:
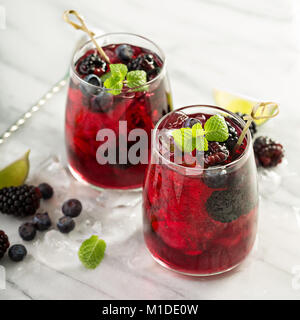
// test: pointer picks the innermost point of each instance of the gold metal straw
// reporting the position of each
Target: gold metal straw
(84, 28)
(272, 110)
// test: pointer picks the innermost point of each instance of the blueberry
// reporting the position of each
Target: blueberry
(46, 191)
(27, 231)
(190, 122)
(65, 224)
(90, 90)
(42, 221)
(124, 52)
(17, 252)
(101, 103)
(93, 79)
(72, 208)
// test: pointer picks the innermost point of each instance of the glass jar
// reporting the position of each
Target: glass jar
(200, 221)
(91, 108)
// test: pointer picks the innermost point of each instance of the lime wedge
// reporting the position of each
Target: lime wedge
(236, 103)
(16, 173)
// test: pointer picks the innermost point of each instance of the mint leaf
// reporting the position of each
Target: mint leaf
(91, 252)
(197, 130)
(216, 129)
(118, 70)
(136, 79)
(115, 84)
(190, 138)
(201, 143)
(105, 76)
(184, 139)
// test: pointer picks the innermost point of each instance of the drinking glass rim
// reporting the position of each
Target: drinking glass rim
(162, 57)
(218, 167)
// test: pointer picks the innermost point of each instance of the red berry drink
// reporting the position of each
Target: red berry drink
(92, 107)
(200, 207)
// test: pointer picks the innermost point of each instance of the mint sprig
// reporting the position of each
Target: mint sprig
(136, 79)
(91, 252)
(189, 139)
(216, 129)
(117, 75)
(184, 139)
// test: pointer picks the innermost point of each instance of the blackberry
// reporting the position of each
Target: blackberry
(42, 221)
(146, 62)
(72, 208)
(27, 231)
(17, 252)
(268, 153)
(91, 64)
(4, 243)
(252, 128)
(216, 154)
(46, 191)
(232, 137)
(228, 205)
(20, 201)
(65, 224)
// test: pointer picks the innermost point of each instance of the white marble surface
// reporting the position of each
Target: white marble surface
(250, 47)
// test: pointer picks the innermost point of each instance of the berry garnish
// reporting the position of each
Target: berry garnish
(17, 252)
(124, 52)
(42, 221)
(232, 137)
(253, 127)
(228, 205)
(92, 63)
(189, 139)
(102, 102)
(268, 153)
(190, 122)
(27, 231)
(46, 191)
(4, 243)
(146, 62)
(216, 154)
(94, 81)
(65, 224)
(72, 208)
(20, 201)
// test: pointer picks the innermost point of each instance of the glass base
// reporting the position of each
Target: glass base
(193, 274)
(79, 178)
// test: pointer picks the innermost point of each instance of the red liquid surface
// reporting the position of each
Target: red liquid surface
(139, 109)
(182, 228)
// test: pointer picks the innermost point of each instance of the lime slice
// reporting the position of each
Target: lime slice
(16, 173)
(236, 103)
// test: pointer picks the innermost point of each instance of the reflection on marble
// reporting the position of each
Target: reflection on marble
(250, 47)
